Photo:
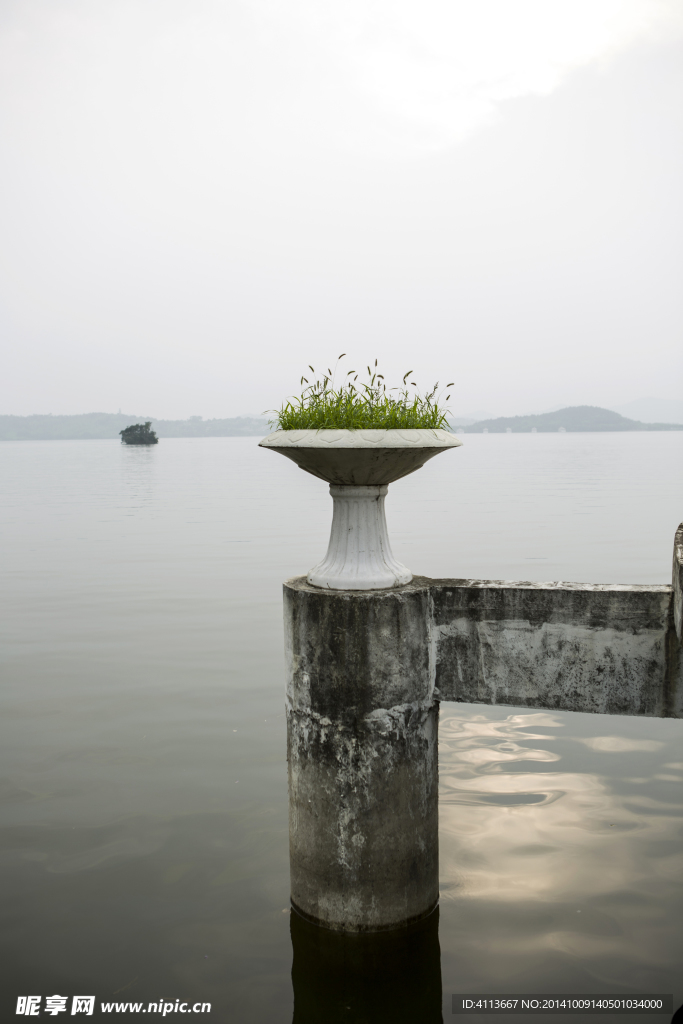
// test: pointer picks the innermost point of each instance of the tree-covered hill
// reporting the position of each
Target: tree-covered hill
(574, 418)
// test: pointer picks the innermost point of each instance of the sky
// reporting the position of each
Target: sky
(200, 198)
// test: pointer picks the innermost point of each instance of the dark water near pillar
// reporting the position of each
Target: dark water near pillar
(143, 835)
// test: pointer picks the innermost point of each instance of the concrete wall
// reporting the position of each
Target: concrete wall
(568, 646)
(603, 648)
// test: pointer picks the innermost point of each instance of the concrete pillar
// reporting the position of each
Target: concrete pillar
(677, 584)
(362, 728)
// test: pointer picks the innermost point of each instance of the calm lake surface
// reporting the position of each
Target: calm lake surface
(142, 766)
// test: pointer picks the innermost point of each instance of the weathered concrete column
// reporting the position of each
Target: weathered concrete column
(362, 752)
(677, 584)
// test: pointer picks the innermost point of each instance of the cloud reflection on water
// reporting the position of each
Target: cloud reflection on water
(529, 826)
(617, 744)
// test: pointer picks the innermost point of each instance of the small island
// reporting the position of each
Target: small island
(139, 433)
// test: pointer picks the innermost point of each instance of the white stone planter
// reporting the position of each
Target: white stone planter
(359, 465)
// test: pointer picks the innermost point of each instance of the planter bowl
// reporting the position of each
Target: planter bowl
(360, 458)
(359, 465)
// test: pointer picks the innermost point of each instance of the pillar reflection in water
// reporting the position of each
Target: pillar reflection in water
(375, 978)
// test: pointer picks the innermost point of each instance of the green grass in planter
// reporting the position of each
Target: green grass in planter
(361, 406)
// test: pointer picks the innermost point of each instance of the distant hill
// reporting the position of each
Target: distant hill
(575, 418)
(103, 425)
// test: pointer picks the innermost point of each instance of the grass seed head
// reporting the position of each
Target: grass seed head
(321, 406)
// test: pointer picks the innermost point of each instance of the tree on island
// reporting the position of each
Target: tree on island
(139, 433)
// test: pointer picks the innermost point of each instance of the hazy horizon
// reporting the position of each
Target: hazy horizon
(198, 200)
(646, 410)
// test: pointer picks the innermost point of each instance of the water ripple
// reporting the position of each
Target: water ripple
(601, 852)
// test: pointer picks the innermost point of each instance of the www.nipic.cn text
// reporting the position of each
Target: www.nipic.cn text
(31, 1006)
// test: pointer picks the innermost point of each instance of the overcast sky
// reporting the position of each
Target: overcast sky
(199, 198)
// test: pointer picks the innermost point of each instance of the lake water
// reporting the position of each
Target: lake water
(142, 767)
